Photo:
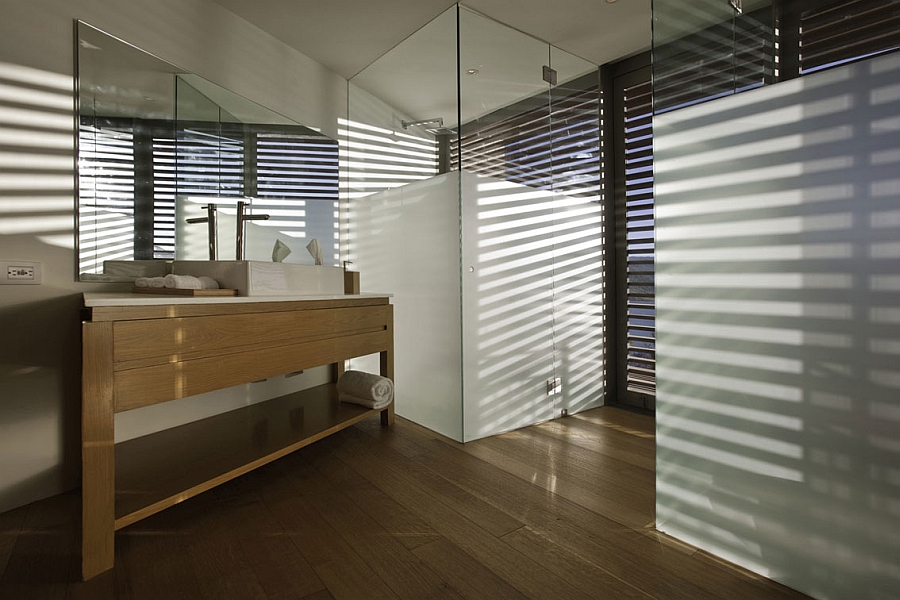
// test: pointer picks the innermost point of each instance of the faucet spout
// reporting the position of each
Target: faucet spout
(242, 217)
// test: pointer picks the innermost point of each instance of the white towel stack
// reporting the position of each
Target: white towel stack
(365, 389)
(189, 282)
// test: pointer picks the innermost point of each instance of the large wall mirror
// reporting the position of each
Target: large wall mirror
(157, 146)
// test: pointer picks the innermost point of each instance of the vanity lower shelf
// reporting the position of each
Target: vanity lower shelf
(160, 470)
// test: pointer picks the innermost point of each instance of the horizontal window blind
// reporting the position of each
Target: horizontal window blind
(838, 32)
(640, 312)
(722, 59)
(555, 147)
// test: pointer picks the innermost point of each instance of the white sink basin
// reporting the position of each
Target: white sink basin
(260, 278)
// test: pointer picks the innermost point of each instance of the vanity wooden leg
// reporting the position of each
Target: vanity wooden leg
(337, 369)
(387, 366)
(387, 416)
(97, 450)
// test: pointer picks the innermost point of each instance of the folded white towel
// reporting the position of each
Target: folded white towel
(366, 386)
(154, 282)
(183, 282)
(367, 402)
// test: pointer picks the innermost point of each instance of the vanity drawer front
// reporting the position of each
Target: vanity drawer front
(154, 384)
(157, 341)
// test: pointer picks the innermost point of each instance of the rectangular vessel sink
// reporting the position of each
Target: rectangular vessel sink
(260, 278)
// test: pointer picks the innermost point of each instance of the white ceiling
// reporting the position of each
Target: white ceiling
(348, 35)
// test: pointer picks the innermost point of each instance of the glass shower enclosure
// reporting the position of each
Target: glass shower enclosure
(471, 180)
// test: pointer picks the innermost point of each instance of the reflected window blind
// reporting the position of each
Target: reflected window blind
(839, 32)
(640, 317)
(164, 187)
(106, 194)
(199, 161)
(296, 166)
(556, 148)
(295, 176)
(728, 57)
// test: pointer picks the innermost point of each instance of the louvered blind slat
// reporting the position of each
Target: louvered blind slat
(839, 32)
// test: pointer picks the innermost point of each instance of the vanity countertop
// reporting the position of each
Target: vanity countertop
(93, 300)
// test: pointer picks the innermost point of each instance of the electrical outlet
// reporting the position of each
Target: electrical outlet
(20, 272)
(554, 386)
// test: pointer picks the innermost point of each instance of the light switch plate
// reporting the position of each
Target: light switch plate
(21, 272)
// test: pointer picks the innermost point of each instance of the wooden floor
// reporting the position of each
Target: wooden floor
(558, 511)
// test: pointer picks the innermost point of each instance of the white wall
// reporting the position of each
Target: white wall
(778, 329)
(39, 356)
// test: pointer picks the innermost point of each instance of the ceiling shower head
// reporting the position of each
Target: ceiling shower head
(407, 124)
(436, 126)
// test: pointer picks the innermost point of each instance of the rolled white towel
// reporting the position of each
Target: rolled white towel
(156, 282)
(153, 282)
(208, 283)
(366, 386)
(367, 402)
(183, 282)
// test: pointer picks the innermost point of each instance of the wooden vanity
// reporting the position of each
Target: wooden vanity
(139, 351)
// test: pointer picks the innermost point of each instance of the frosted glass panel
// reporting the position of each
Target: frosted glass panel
(507, 305)
(406, 242)
(778, 282)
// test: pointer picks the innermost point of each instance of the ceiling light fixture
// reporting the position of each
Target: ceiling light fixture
(472, 72)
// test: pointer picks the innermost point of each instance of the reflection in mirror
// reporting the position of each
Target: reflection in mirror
(157, 145)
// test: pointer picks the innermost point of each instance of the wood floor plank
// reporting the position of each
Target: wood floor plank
(479, 512)
(393, 518)
(399, 568)
(627, 446)
(345, 574)
(220, 564)
(277, 563)
(41, 563)
(469, 577)
(323, 595)
(394, 475)
(408, 442)
(659, 570)
(609, 494)
(11, 523)
(568, 524)
(632, 421)
(156, 565)
(582, 570)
